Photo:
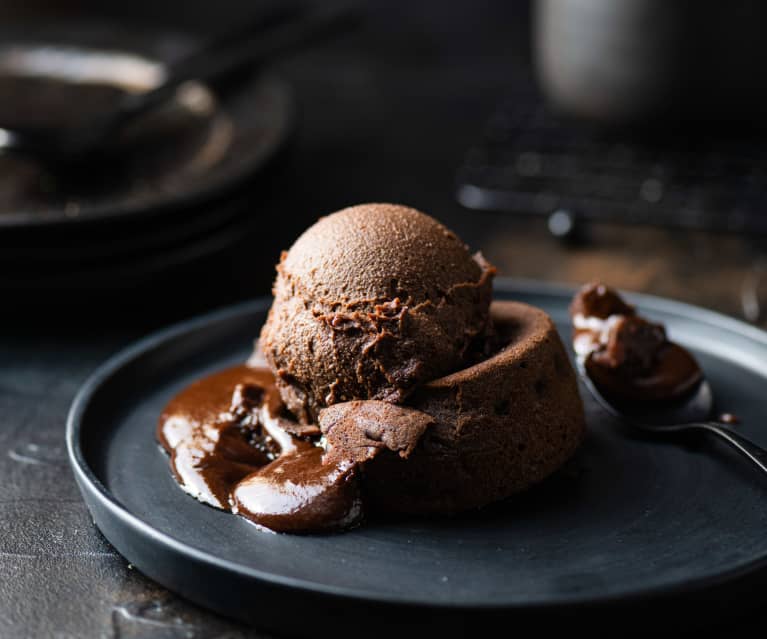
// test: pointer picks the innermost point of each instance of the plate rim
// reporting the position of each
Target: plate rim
(90, 483)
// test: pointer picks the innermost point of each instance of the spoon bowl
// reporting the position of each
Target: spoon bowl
(688, 413)
(655, 416)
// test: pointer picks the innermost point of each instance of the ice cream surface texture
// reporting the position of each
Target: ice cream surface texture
(371, 302)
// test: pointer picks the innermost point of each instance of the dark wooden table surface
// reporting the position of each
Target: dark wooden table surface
(386, 114)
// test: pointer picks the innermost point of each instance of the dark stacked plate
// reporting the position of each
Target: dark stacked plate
(177, 190)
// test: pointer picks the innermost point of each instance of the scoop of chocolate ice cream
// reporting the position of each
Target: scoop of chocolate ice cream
(371, 302)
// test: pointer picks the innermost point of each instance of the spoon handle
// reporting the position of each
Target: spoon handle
(282, 33)
(748, 448)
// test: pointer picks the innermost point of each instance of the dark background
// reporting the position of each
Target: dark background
(385, 114)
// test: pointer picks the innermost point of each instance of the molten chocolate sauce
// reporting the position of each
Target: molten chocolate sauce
(230, 448)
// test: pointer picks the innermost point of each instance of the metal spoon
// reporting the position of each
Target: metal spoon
(278, 32)
(687, 414)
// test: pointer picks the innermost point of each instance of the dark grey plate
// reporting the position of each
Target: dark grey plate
(630, 522)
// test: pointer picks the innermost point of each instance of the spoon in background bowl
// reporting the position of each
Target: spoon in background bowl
(281, 30)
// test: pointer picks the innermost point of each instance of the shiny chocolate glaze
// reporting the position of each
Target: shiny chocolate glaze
(629, 358)
(299, 493)
(230, 448)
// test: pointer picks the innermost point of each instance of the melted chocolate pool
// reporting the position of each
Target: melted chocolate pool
(231, 448)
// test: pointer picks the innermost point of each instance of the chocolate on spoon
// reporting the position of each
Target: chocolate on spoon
(639, 376)
(628, 357)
